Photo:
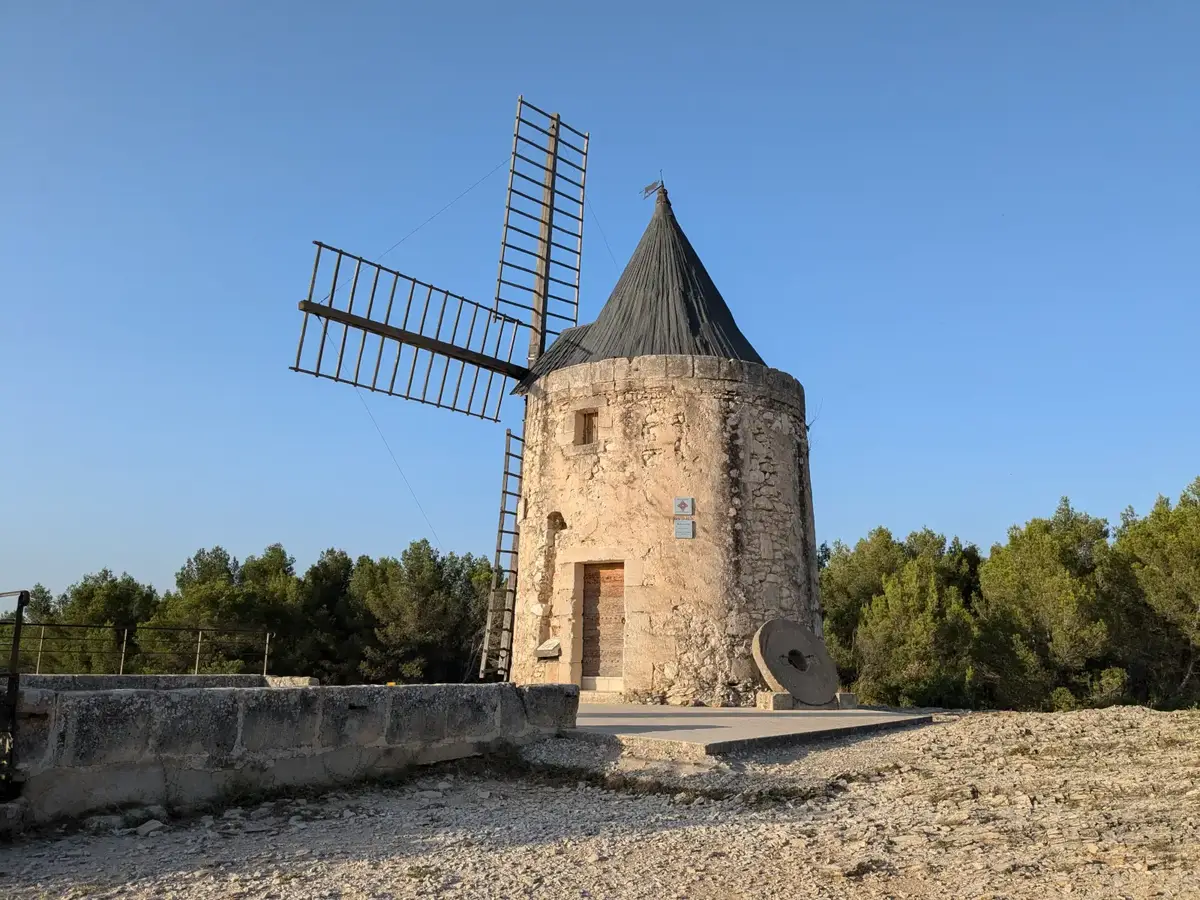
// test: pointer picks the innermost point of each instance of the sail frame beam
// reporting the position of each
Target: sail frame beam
(413, 339)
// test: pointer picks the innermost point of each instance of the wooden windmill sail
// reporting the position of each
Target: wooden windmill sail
(385, 331)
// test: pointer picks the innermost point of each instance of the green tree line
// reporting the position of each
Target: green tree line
(1068, 612)
(416, 618)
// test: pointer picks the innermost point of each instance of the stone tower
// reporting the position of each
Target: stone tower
(666, 509)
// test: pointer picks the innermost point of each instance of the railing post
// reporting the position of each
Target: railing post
(124, 641)
(266, 654)
(8, 764)
(199, 638)
(14, 660)
(37, 669)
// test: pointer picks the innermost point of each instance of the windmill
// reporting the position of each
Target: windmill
(424, 343)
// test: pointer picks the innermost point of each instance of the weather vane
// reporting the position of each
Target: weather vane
(653, 186)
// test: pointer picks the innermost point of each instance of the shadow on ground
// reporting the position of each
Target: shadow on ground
(561, 790)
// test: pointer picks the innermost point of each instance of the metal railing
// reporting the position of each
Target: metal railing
(45, 648)
(8, 710)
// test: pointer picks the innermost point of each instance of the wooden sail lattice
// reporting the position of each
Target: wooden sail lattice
(542, 243)
(376, 328)
(385, 331)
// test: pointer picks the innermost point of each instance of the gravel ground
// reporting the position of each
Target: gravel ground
(1090, 804)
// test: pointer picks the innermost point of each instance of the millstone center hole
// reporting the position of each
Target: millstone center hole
(797, 660)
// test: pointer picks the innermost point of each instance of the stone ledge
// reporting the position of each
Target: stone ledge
(673, 370)
(80, 751)
(159, 682)
(693, 748)
(601, 697)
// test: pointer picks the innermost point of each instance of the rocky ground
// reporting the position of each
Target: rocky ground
(1088, 804)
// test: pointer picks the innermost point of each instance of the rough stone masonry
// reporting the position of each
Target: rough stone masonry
(83, 751)
(731, 436)
(666, 509)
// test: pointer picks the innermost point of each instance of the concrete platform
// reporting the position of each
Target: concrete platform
(674, 732)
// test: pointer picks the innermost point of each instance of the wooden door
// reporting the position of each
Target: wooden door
(604, 620)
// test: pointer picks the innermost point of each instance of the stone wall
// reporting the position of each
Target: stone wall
(82, 751)
(159, 682)
(732, 435)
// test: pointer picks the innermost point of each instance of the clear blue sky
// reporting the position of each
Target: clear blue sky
(971, 230)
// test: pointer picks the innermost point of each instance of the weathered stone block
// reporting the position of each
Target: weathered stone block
(579, 376)
(550, 707)
(602, 371)
(472, 711)
(196, 723)
(773, 700)
(33, 741)
(106, 727)
(731, 370)
(15, 815)
(418, 713)
(553, 383)
(846, 700)
(35, 727)
(648, 367)
(784, 386)
(707, 367)
(353, 715)
(680, 366)
(279, 719)
(753, 373)
(511, 719)
(177, 747)
(34, 701)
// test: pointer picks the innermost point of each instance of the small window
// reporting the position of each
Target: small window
(585, 426)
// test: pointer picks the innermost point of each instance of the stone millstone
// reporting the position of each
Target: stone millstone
(794, 661)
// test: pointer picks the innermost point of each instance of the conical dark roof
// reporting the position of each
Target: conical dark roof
(663, 303)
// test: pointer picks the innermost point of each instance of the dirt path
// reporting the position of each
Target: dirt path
(1090, 804)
